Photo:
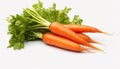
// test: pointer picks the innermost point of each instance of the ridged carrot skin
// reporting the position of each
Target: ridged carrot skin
(60, 30)
(83, 28)
(61, 42)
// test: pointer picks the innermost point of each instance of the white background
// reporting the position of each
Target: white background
(103, 14)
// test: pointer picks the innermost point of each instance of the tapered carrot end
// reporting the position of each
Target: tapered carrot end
(91, 46)
(106, 33)
(86, 50)
(93, 41)
(97, 42)
(101, 50)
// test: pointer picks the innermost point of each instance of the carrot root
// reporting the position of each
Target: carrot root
(106, 33)
(86, 50)
(91, 46)
(97, 42)
(84, 28)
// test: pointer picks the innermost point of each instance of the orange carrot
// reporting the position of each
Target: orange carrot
(84, 28)
(59, 29)
(61, 42)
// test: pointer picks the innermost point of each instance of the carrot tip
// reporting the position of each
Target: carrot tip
(96, 48)
(107, 33)
(101, 51)
(98, 43)
(86, 50)
(89, 51)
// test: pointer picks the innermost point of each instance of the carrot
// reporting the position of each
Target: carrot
(60, 30)
(61, 42)
(84, 28)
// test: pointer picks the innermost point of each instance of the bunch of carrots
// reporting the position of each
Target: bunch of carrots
(65, 36)
(52, 26)
(69, 37)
